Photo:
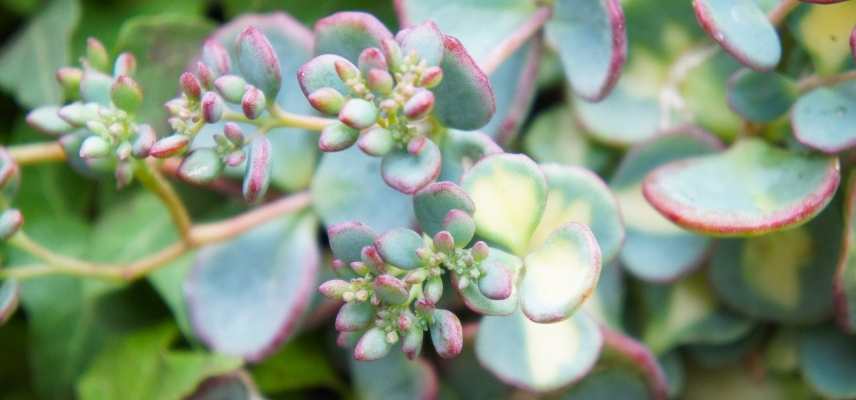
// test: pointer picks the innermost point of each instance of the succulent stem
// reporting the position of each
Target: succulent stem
(37, 153)
(157, 184)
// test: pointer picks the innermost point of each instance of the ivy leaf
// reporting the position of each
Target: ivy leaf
(28, 63)
(163, 45)
(141, 366)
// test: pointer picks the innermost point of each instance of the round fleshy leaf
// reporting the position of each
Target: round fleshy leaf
(320, 72)
(784, 276)
(407, 172)
(509, 192)
(705, 91)
(246, 296)
(750, 189)
(398, 247)
(555, 137)
(825, 118)
(394, 377)
(577, 195)
(46, 119)
(433, 203)
(462, 149)
(464, 99)
(623, 118)
(538, 357)
(561, 274)
(687, 312)
(348, 187)
(478, 302)
(760, 97)
(625, 352)
(655, 249)
(591, 42)
(845, 275)
(828, 361)
(347, 240)
(741, 27)
(348, 33)
(10, 291)
(822, 31)
(423, 39)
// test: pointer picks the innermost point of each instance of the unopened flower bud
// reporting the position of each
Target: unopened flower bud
(376, 141)
(406, 320)
(431, 77)
(412, 344)
(169, 146)
(371, 257)
(258, 62)
(46, 119)
(372, 345)
(206, 77)
(253, 103)
(69, 78)
(126, 94)
(392, 54)
(444, 242)
(234, 133)
(212, 107)
(144, 138)
(334, 288)
(10, 221)
(359, 268)
(358, 114)
(496, 282)
(433, 289)
(231, 87)
(346, 70)
(235, 158)
(416, 144)
(380, 81)
(371, 58)
(420, 105)
(123, 151)
(78, 114)
(257, 174)
(390, 289)
(190, 85)
(124, 174)
(447, 334)
(216, 57)
(96, 55)
(94, 147)
(201, 166)
(126, 64)
(461, 225)
(337, 137)
(480, 251)
(327, 100)
(415, 276)
(354, 316)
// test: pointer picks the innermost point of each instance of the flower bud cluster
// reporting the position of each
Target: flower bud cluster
(101, 114)
(387, 104)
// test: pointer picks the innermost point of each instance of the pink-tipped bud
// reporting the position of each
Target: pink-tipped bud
(406, 320)
(380, 81)
(372, 58)
(346, 70)
(480, 251)
(327, 100)
(253, 103)
(169, 146)
(358, 114)
(231, 87)
(354, 316)
(212, 107)
(334, 288)
(126, 94)
(390, 289)
(337, 137)
(415, 276)
(143, 140)
(496, 282)
(373, 345)
(431, 77)
(392, 54)
(257, 174)
(258, 62)
(216, 57)
(190, 85)
(234, 133)
(412, 344)
(444, 242)
(96, 55)
(376, 141)
(126, 64)
(69, 78)
(206, 77)
(371, 257)
(235, 158)
(447, 335)
(433, 289)
(10, 221)
(420, 105)
(416, 144)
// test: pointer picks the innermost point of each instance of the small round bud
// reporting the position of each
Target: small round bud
(234, 133)
(496, 282)
(433, 289)
(392, 54)
(390, 289)
(144, 138)
(94, 147)
(257, 174)
(372, 345)
(190, 85)
(337, 137)
(235, 158)
(371, 258)
(444, 242)
(96, 55)
(123, 151)
(253, 103)
(420, 105)
(354, 316)
(359, 268)
(169, 146)
(216, 57)
(358, 114)
(327, 100)
(10, 221)
(412, 344)
(69, 78)
(461, 225)
(392, 337)
(124, 174)
(415, 276)
(78, 114)
(376, 141)
(126, 64)
(346, 70)
(334, 288)
(206, 77)
(447, 334)
(480, 251)
(380, 81)
(46, 119)
(212, 107)
(201, 166)
(126, 94)
(371, 58)
(416, 144)
(231, 87)
(431, 77)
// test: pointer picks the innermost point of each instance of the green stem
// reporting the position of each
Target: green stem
(155, 182)
(815, 81)
(279, 118)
